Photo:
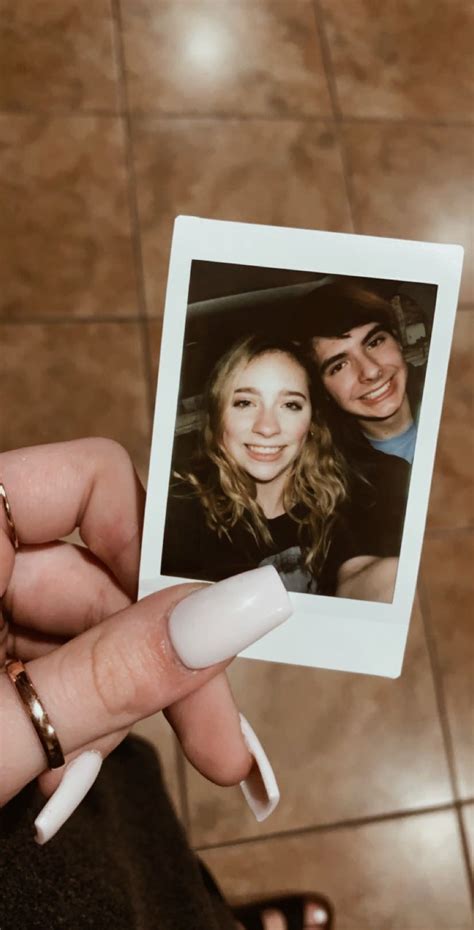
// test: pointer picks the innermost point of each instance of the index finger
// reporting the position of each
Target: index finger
(86, 483)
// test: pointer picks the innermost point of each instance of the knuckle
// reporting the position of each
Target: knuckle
(107, 454)
(124, 679)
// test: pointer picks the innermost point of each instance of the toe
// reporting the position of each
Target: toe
(273, 920)
(315, 915)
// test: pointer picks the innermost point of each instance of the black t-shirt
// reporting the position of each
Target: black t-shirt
(370, 523)
(192, 550)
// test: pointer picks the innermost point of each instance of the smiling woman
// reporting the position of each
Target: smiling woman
(266, 485)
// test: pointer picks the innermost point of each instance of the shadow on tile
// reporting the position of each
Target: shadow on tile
(447, 576)
(343, 746)
(405, 874)
(452, 493)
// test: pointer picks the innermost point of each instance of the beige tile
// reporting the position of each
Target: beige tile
(154, 341)
(414, 182)
(241, 58)
(57, 55)
(467, 813)
(405, 874)
(63, 381)
(342, 746)
(158, 732)
(447, 573)
(65, 242)
(222, 170)
(403, 59)
(452, 497)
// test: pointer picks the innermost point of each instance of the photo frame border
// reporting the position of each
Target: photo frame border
(327, 632)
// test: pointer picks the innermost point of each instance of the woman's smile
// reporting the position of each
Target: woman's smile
(264, 453)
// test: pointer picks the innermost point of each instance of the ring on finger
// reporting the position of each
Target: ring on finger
(15, 543)
(37, 713)
(9, 517)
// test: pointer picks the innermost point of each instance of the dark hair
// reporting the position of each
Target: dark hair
(334, 309)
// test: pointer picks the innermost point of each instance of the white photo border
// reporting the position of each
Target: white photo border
(327, 632)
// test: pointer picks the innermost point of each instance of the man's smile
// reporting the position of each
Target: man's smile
(379, 393)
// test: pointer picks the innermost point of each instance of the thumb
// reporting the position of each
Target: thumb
(136, 663)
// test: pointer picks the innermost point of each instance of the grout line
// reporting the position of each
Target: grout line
(294, 117)
(438, 683)
(238, 117)
(425, 608)
(466, 851)
(133, 203)
(333, 827)
(61, 112)
(216, 117)
(62, 320)
(327, 60)
(444, 531)
(336, 109)
(408, 121)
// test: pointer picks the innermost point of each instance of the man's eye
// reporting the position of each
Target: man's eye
(335, 368)
(377, 341)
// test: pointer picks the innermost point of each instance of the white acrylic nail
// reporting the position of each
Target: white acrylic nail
(78, 778)
(218, 621)
(260, 788)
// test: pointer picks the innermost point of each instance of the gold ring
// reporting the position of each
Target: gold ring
(35, 709)
(14, 540)
(8, 514)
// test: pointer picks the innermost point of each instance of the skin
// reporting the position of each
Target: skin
(366, 375)
(266, 422)
(72, 619)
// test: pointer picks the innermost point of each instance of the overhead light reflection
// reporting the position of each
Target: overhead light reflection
(208, 47)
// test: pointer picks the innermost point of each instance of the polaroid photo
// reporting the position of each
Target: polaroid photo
(300, 389)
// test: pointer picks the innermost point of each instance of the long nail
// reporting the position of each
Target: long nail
(218, 621)
(260, 788)
(78, 778)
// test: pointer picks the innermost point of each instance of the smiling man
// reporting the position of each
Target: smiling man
(369, 398)
(362, 368)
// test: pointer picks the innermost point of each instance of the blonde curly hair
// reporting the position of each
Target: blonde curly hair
(316, 484)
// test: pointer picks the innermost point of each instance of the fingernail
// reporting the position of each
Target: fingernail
(78, 778)
(218, 621)
(260, 788)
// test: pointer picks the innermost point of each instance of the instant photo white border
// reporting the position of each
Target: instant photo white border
(327, 632)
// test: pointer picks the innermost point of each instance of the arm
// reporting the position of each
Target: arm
(367, 578)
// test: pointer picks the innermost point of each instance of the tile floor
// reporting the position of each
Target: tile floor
(329, 114)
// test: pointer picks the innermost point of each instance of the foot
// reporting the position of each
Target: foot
(315, 916)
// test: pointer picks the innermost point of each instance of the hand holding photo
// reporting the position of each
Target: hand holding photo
(300, 389)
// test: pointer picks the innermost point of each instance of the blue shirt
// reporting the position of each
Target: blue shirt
(402, 445)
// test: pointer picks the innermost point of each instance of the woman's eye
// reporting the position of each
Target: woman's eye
(294, 405)
(240, 404)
